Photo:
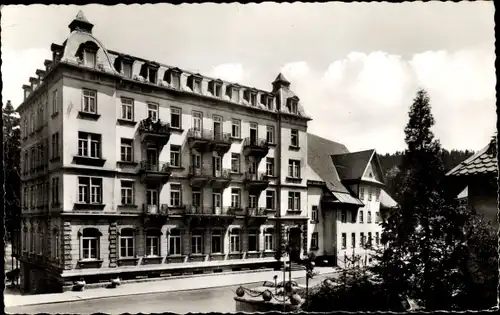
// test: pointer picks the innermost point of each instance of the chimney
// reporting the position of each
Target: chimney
(34, 83)
(27, 91)
(40, 74)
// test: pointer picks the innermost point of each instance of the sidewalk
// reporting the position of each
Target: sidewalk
(192, 283)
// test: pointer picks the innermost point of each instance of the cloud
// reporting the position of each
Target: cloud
(17, 68)
(232, 72)
(363, 99)
(295, 70)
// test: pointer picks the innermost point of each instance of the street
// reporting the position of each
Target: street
(203, 300)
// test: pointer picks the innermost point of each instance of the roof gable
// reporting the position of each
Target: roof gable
(483, 162)
(352, 166)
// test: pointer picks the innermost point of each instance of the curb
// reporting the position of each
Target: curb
(77, 298)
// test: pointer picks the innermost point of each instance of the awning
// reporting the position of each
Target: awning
(344, 198)
(386, 201)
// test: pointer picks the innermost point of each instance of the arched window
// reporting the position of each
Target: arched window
(87, 52)
(55, 244)
(235, 241)
(174, 242)
(152, 243)
(90, 244)
(269, 239)
(127, 242)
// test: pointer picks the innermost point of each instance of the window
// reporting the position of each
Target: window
(314, 214)
(55, 145)
(369, 243)
(196, 242)
(344, 241)
(360, 216)
(270, 134)
(127, 69)
(127, 108)
(89, 101)
(55, 105)
(196, 86)
(196, 199)
(127, 192)
(127, 243)
(55, 244)
(176, 80)
(153, 111)
(89, 58)
(89, 190)
(369, 219)
(268, 240)
(361, 193)
(175, 117)
(89, 140)
(293, 106)
(175, 195)
(294, 138)
(174, 242)
(175, 155)
(343, 216)
(353, 240)
(152, 243)
(217, 89)
(377, 238)
(369, 194)
(126, 150)
(270, 166)
(270, 199)
(32, 240)
(377, 217)
(294, 168)
(362, 239)
(236, 128)
(152, 75)
(216, 241)
(234, 238)
(377, 194)
(235, 198)
(294, 200)
(151, 197)
(253, 241)
(90, 244)
(314, 240)
(235, 163)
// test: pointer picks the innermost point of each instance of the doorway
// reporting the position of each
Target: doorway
(253, 133)
(294, 241)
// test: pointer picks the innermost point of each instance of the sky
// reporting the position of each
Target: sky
(356, 67)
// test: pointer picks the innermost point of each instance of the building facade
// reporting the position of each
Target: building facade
(135, 168)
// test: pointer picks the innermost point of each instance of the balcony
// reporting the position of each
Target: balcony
(256, 182)
(154, 131)
(220, 178)
(155, 210)
(202, 215)
(155, 173)
(200, 177)
(255, 216)
(255, 147)
(207, 140)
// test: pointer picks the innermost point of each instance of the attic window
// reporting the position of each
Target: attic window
(127, 69)
(234, 93)
(267, 100)
(250, 97)
(194, 83)
(173, 77)
(215, 87)
(293, 106)
(89, 58)
(152, 75)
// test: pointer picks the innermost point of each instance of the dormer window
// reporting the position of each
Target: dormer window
(251, 97)
(173, 77)
(215, 87)
(127, 69)
(267, 100)
(89, 58)
(234, 93)
(194, 83)
(293, 105)
(152, 75)
(149, 71)
(87, 52)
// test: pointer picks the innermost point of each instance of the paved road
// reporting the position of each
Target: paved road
(181, 302)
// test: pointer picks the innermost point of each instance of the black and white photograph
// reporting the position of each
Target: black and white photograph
(261, 157)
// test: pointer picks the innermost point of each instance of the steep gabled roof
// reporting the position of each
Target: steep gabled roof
(319, 151)
(483, 162)
(351, 166)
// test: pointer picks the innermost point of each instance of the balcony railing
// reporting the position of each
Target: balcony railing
(204, 210)
(209, 135)
(256, 212)
(159, 209)
(256, 177)
(256, 142)
(209, 171)
(161, 167)
(158, 127)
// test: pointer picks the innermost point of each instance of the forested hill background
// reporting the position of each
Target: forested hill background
(390, 163)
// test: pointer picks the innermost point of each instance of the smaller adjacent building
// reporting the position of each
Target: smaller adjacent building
(475, 182)
(347, 201)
